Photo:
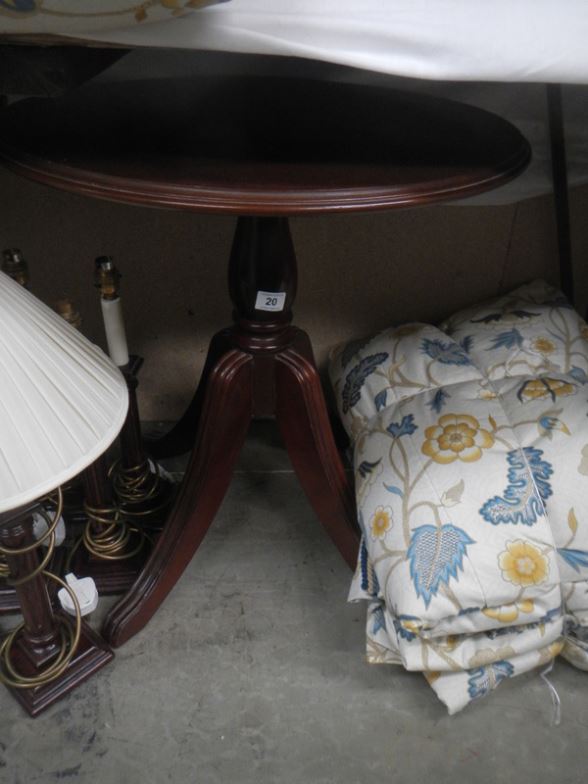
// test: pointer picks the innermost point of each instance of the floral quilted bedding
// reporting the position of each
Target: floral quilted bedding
(471, 471)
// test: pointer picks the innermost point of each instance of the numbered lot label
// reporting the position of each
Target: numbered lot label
(270, 300)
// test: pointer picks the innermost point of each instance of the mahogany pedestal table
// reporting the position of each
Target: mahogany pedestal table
(262, 149)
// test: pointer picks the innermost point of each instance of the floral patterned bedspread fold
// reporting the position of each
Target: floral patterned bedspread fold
(471, 469)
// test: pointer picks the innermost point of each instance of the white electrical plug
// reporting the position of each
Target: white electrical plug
(157, 468)
(40, 528)
(85, 592)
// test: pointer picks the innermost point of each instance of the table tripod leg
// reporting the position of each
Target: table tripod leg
(226, 415)
(304, 423)
(180, 438)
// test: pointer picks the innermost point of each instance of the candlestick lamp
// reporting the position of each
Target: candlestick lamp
(142, 493)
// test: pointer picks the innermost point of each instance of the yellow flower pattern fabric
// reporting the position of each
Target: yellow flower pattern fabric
(381, 522)
(510, 612)
(456, 437)
(471, 465)
(546, 387)
(523, 564)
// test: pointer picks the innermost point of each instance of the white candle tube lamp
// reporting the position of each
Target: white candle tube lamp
(107, 280)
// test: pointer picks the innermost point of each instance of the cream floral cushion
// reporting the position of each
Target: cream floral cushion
(471, 466)
(531, 329)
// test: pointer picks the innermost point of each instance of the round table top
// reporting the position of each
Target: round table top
(259, 146)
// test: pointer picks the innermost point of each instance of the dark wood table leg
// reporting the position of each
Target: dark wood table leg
(181, 437)
(225, 420)
(269, 370)
(303, 420)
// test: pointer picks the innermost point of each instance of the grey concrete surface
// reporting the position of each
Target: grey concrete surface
(253, 671)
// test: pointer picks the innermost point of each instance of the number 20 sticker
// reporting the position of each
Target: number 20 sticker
(270, 300)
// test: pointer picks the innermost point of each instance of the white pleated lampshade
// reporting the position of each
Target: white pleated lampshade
(62, 400)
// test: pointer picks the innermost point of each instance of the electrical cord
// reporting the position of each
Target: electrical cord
(137, 487)
(107, 535)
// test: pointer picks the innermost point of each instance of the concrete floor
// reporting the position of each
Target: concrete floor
(253, 671)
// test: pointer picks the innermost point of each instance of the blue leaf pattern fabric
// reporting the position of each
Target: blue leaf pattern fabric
(484, 679)
(510, 339)
(467, 343)
(378, 619)
(436, 556)
(522, 501)
(446, 352)
(579, 375)
(497, 317)
(402, 625)
(351, 349)
(369, 579)
(404, 428)
(541, 470)
(439, 400)
(380, 399)
(365, 467)
(394, 489)
(357, 376)
(577, 559)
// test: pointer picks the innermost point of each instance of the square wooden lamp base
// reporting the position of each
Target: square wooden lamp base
(91, 655)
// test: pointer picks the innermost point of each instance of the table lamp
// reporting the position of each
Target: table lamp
(142, 492)
(16, 266)
(62, 403)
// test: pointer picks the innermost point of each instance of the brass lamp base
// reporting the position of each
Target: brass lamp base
(49, 653)
(110, 551)
(111, 577)
(91, 654)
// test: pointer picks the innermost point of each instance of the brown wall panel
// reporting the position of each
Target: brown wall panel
(358, 273)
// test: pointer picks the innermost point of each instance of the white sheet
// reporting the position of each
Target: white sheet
(481, 40)
(463, 42)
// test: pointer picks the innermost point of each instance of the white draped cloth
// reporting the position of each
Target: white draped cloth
(479, 40)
